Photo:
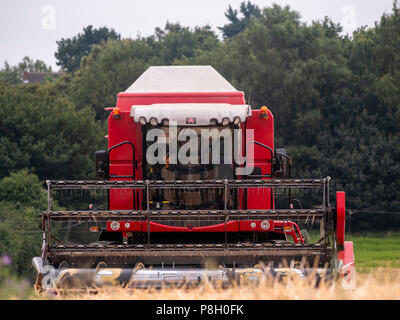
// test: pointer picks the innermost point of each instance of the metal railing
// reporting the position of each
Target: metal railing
(148, 214)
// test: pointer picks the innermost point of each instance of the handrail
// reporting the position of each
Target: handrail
(133, 160)
(264, 146)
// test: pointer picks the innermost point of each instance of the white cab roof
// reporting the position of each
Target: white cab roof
(181, 79)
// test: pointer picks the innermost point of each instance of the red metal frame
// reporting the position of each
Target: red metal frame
(345, 248)
(124, 128)
(340, 218)
(126, 100)
(264, 133)
(285, 227)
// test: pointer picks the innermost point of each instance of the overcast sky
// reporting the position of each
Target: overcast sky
(32, 27)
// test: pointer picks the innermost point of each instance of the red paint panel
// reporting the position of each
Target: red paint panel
(348, 258)
(126, 100)
(120, 130)
(231, 226)
(125, 129)
(347, 271)
(263, 133)
(340, 218)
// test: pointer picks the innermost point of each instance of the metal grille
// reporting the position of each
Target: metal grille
(249, 251)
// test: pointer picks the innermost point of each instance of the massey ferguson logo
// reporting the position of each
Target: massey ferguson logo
(191, 120)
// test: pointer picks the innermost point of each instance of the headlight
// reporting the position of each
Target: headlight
(153, 122)
(225, 121)
(114, 225)
(236, 121)
(142, 121)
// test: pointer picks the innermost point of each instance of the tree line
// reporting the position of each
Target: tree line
(335, 98)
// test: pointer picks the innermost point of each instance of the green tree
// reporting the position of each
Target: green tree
(22, 198)
(113, 66)
(23, 188)
(330, 114)
(46, 133)
(374, 172)
(175, 42)
(13, 75)
(70, 51)
(335, 98)
(109, 69)
(238, 24)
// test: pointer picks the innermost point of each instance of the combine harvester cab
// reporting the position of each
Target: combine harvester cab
(195, 190)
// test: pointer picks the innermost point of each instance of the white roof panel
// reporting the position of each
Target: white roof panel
(181, 79)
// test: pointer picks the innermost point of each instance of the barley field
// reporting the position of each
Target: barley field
(378, 277)
(382, 284)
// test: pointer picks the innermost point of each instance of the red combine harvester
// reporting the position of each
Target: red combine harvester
(195, 190)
